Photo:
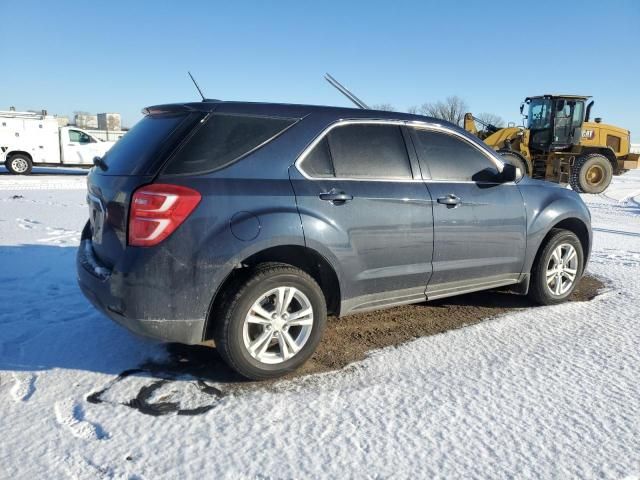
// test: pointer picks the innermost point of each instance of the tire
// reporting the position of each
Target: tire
(547, 292)
(517, 160)
(19, 164)
(234, 334)
(591, 173)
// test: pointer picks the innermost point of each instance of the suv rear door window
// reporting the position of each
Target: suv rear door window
(369, 151)
(224, 139)
(447, 157)
(318, 163)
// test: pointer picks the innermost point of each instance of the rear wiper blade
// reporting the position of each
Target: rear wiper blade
(98, 162)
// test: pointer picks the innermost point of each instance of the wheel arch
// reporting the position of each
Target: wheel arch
(299, 256)
(572, 224)
(11, 153)
(578, 227)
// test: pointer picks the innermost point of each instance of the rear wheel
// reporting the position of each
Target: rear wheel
(557, 268)
(591, 173)
(517, 160)
(19, 164)
(272, 324)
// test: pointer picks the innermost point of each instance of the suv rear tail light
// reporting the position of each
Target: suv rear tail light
(157, 210)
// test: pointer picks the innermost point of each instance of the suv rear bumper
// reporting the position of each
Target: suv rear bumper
(96, 284)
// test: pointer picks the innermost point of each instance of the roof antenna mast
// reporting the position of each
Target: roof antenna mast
(343, 90)
(196, 84)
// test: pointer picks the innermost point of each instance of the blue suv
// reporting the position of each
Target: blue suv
(247, 223)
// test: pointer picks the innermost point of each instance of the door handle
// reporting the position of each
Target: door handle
(450, 200)
(335, 197)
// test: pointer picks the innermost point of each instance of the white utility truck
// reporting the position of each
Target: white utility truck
(28, 139)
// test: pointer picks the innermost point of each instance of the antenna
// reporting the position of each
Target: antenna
(343, 90)
(196, 84)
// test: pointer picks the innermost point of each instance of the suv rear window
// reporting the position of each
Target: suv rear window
(224, 139)
(133, 153)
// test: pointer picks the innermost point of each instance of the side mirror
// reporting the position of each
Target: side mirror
(510, 173)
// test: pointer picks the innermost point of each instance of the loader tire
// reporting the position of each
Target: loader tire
(19, 164)
(591, 173)
(517, 160)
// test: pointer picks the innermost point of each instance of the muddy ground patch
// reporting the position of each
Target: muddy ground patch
(348, 339)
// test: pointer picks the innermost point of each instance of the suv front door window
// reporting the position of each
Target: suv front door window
(479, 223)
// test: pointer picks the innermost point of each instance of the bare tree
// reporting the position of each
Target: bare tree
(491, 119)
(413, 109)
(451, 110)
(386, 107)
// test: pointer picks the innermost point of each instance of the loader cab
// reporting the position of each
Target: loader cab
(554, 121)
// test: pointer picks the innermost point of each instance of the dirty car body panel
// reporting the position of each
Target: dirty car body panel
(387, 240)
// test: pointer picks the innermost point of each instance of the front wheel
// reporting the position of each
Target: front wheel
(19, 164)
(272, 324)
(557, 269)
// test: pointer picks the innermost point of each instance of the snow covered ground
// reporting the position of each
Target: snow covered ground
(548, 392)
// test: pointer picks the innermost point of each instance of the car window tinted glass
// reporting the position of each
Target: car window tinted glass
(447, 157)
(223, 139)
(369, 151)
(139, 145)
(318, 162)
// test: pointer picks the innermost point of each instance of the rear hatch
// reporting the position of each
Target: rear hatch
(133, 161)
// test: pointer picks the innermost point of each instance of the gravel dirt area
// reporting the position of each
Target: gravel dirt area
(349, 339)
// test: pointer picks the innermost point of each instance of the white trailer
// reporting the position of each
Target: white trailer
(28, 139)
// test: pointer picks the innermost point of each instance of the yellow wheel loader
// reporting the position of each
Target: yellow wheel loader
(560, 144)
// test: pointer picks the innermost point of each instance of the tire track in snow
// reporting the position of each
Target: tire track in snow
(612, 256)
(55, 235)
(71, 416)
(27, 223)
(24, 386)
(36, 183)
(61, 236)
(80, 467)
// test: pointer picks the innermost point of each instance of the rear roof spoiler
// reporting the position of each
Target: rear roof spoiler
(177, 108)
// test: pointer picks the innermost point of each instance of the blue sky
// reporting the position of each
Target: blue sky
(121, 56)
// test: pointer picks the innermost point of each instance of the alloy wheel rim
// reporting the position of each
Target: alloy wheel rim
(278, 325)
(20, 165)
(562, 269)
